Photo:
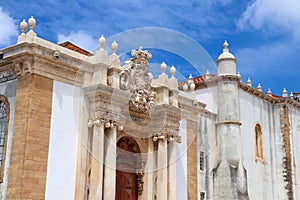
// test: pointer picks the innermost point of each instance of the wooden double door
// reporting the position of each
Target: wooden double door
(126, 178)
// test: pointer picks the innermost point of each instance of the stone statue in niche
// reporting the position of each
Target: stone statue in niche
(136, 78)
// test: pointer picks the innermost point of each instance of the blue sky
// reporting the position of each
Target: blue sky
(264, 35)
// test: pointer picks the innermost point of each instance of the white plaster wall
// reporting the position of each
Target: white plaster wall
(8, 89)
(209, 96)
(262, 181)
(182, 163)
(62, 157)
(207, 142)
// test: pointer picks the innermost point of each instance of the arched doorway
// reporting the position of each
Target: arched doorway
(127, 165)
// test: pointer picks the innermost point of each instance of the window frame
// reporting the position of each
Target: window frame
(204, 193)
(201, 161)
(5, 102)
(258, 138)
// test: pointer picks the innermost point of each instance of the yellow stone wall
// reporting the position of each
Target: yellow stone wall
(30, 140)
(192, 160)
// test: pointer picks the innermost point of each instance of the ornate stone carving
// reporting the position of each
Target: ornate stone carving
(7, 75)
(105, 122)
(140, 182)
(136, 78)
(142, 101)
(22, 68)
(168, 137)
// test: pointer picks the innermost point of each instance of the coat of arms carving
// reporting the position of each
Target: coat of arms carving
(136, 78)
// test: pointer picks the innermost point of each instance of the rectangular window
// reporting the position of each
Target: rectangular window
(201, 160)
(202, 195)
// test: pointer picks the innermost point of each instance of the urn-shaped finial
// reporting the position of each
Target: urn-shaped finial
(114, 46)
(102, 41)
(31, 23)
(23, 26)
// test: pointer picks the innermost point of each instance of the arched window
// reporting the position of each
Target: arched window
(258, 143)
(4, 117)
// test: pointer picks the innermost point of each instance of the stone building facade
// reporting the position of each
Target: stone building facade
(80, 126)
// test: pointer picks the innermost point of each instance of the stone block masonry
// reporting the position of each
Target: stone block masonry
(287, 160)
(192, 160)
(30, 140)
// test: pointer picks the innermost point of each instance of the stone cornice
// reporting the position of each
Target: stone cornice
(267, 97)
(113, 104)
(229, 122)
(190, 106)
(213, 82)
(249, 89)
(50, 60)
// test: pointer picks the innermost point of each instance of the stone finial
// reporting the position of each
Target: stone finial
(192, 86)
(172, 71)
(23, 26)
(284, 93)
(114, 59)
(249, 82)
(239, 75)
(269, 92)
(292, 95)
(259, 87)
(226, 54)
(191, 79)
(207, 75)
(114, 46)
(102, 41)
(101, 54)
(225, 46)
(172, 82)
(31, 23)
(226, 62)
(185, 87)
(163, 67)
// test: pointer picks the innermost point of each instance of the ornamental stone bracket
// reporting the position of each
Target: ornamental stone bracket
(107, 123)
(136, 78)
(168, 137)
(21, 68)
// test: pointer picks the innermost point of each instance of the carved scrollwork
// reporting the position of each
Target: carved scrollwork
(142, 101)
(140, 183)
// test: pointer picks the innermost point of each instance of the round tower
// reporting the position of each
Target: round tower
(230, 169)
(228, 108)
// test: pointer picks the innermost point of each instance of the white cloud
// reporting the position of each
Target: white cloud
(8, 29)
(274, 65)
(81, 39)
(274, 15)
(272, 61)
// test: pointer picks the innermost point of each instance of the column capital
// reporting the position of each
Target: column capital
(98, 122)
(168, 137)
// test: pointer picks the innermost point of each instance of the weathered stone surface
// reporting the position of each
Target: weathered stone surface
(192, 160)
(29, 153)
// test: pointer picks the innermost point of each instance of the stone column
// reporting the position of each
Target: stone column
(110, 161)
(162, 170)
(96, 183)
(148, 176)
(172, 186)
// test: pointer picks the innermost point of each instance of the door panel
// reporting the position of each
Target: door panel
(126, 186)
